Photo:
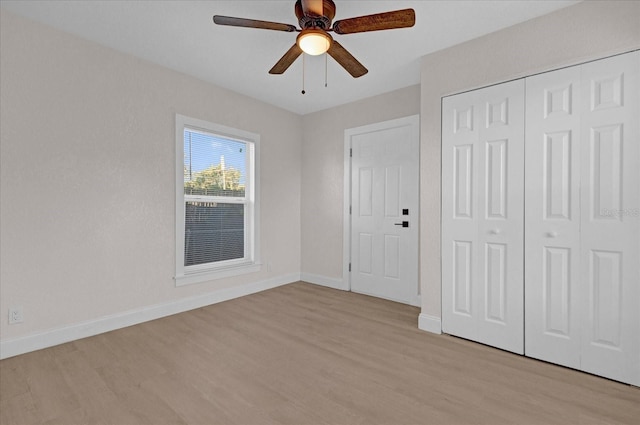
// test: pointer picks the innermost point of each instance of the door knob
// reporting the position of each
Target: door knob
(494, 231)
(552, 234)
(403, 224)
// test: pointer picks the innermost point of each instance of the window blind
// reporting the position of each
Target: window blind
(215, 176)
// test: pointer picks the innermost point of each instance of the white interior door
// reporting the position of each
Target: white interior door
(552, 218)
(610, 217)
(384, 209)
(482, 215)
(582, 274)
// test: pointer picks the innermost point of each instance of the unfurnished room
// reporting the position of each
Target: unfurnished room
(319, 212)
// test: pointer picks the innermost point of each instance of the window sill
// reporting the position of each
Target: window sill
(220, 273)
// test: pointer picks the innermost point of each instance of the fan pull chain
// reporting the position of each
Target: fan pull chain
(326, 61)
(303, 92)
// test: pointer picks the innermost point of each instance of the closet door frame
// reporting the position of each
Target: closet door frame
(581, 217)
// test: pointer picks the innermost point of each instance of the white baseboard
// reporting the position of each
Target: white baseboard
(56, 336)
(430, 323)
(324, 281)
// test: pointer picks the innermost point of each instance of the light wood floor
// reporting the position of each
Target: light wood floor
(298, 354)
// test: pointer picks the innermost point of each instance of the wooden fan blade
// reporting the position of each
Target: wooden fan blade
(286, 61)
(252, 23)
(312, 7)
(380, 21)
(348, 62)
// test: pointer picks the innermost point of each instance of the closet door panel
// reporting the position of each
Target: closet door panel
(610, 210)
(482, 215)
(501, 210)
(552, 217)
(459, 215)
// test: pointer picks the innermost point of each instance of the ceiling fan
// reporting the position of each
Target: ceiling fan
(314, 17)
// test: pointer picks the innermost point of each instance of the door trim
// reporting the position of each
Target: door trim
(412, 120)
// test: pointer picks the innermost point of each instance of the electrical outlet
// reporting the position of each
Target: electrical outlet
(15, 315)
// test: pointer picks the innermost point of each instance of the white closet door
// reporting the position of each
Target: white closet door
(460, 140)
(552, 217)
(482, 213)
(582, 220)
(610, 212)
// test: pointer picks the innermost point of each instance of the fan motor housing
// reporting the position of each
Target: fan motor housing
(316, 21)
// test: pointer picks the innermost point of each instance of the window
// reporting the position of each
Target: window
(216, 201)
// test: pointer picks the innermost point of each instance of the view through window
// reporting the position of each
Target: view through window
(215, 201)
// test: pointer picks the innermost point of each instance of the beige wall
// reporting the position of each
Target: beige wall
(322, 174)
(579, 33)
(87, 183)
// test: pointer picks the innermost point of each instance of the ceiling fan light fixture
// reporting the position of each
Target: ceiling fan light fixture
(315, 18)
(314, 41)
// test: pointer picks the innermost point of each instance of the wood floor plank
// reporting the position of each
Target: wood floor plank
(18, 409)
(52, 396)
(298, 354)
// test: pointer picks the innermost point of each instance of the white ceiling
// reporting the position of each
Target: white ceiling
(182, 36)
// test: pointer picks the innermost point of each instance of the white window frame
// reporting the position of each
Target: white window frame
(186, 275)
